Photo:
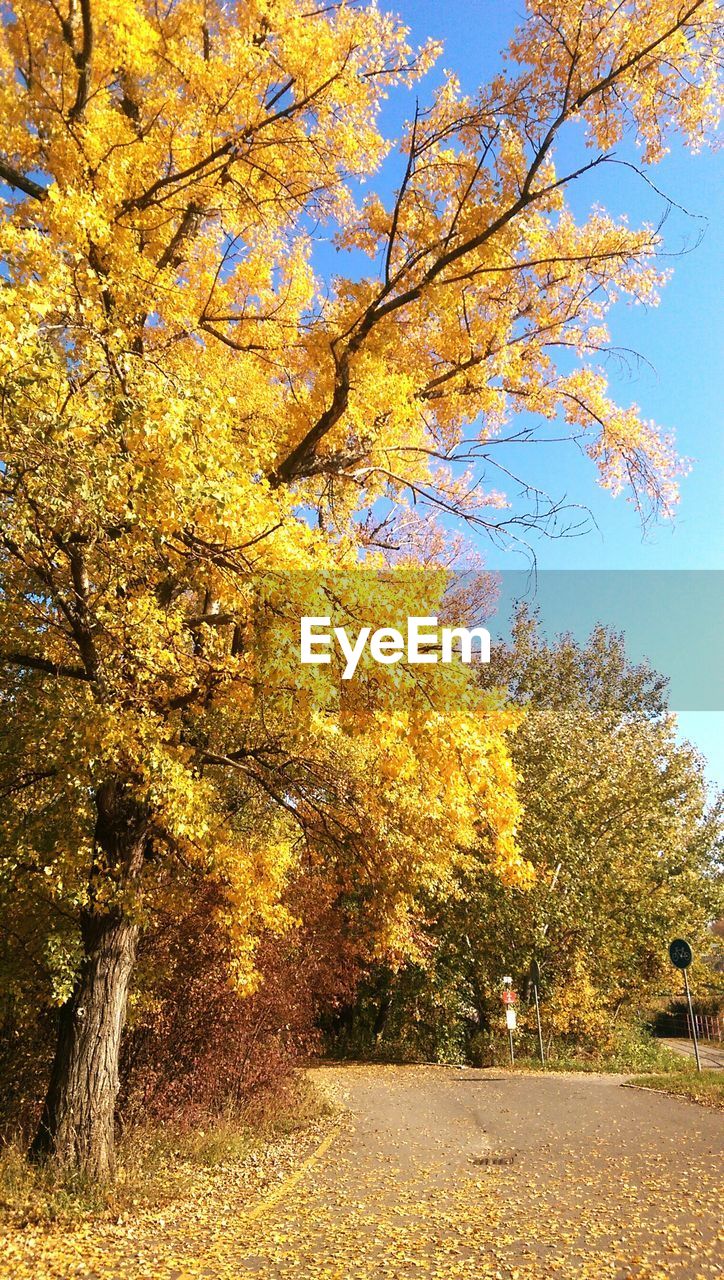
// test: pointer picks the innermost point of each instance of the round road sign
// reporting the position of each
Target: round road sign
(680, 953)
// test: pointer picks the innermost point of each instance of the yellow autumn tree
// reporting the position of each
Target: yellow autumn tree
(187, 405)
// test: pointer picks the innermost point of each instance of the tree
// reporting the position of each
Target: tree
(626, 841)
(178, 396)
(627, 850)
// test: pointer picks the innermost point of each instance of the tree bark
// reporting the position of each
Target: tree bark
(77, 1123)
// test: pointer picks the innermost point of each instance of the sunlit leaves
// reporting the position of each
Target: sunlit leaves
(187, 404)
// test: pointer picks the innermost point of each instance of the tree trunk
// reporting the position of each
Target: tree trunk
(77, 1124)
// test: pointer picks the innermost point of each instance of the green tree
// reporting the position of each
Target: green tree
(626, 846)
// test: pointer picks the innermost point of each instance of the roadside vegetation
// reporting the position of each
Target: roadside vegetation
(210, 1078)
(162, 1164)
(705, 1087)
(628, 1048)
(626, 847)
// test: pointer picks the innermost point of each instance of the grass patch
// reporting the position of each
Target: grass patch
(640, 1055)
(162, 1164)
(706, 1087)
(628, 1049)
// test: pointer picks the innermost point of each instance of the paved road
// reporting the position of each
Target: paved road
(711, 1055)
(438, 1174)
(460, 1174)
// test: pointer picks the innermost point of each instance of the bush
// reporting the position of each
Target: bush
(197, 1047)
(634, 1049)
(27, 1040)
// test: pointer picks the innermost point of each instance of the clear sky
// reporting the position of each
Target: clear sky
(681, 387)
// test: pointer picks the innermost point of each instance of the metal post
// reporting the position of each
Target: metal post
(540, 1029)
(691, 1021)
(510, 1042)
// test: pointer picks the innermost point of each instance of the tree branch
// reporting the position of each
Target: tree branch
(172, 254)
(82, 59)
(228, 148)
(43, 664)
(299, 459)
(14, 178)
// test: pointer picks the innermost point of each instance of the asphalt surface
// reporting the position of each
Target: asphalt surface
(457, 1174)
(711, 1055)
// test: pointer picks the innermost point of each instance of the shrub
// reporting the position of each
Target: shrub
(197, 1046)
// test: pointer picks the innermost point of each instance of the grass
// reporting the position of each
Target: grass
(629, 1049)
(160, 1164)
(706, 1087)
(643, 1055)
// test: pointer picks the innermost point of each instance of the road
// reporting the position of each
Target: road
(711, 1055)
(459, 1174)
(433, 1173)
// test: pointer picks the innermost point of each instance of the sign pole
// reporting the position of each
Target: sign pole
(681, 956)
(691, 1021)
(534, 982)
(540, 1029)
(509, 998)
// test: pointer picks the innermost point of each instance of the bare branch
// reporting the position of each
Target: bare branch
(15, 178)
(51, 668)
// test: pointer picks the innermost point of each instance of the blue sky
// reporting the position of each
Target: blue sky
(681, 387)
